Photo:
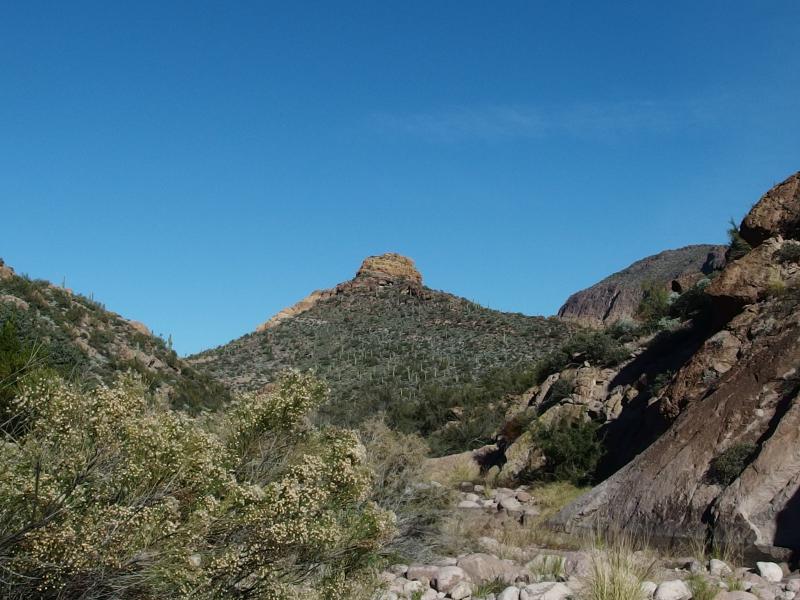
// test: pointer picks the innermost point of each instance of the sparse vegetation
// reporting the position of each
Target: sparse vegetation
(702, 588)
(78, 338)
(435, 364)
(655, 304)
(617, 573)
(789, 252)
(726, 467)
(572, 450)
(737, 246)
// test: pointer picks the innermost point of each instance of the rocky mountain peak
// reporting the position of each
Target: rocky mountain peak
(390, 267)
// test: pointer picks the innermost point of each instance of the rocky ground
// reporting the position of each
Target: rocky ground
(497, 571)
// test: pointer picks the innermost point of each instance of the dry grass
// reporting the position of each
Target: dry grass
(452, 470)
(515, 541)
(617, 571)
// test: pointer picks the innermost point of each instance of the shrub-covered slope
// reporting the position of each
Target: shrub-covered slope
(77, 336)
(383, 341)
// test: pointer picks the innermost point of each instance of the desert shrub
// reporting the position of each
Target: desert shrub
(726, 467)
(572, 449)
(623, 331)
(693, 304)
(789, 252)
(599, 348)
(396, 462)
(655, 303)
(109, 493)
(737, 246)
(660, 381)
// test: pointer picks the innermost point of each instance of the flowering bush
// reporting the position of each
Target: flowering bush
(106, 493)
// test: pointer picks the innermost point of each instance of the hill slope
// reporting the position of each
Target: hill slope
(78, 336)
(384, 341)
(617, 297)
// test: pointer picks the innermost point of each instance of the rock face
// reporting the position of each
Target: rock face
(389, 267)
(738, 390)
(617, 297)
(385, 270)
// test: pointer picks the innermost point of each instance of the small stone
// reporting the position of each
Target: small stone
(649, 588)
(446, 578)
(195, 560)
(468, 504)
(420, 572)
(739, 595)
(509, 503)
(472, 497)
(718, 568)
(467, 486)
(793, 585)
(510, 593)
(548, 591)
(429, 594)
(413, 587)
(770, 571)
(673, 590)
(461, 590)
(523, 496)
(399, 569)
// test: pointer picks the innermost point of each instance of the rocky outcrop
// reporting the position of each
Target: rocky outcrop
(739, 390)
(294, 310)
(617, 297)
(389, 267)
(777, 213)
(385, 270)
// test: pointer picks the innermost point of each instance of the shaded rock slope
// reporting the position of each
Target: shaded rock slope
(727, 470)
(617, 297)
(78, 336)
(382, 337)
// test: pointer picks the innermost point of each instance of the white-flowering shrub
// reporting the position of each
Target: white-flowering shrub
(106, 493)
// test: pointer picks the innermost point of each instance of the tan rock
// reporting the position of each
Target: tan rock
(744, 281)
(389, 266)
(296, 309)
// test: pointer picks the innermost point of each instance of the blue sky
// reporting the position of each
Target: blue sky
(198, 166)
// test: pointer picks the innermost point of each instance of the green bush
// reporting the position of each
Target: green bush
(572, 450)
(726, 467)
(599, 348)
(110, 494)
(654, 305)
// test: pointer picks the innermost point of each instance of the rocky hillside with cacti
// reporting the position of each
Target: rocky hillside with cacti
(385, 342)
(78, 337)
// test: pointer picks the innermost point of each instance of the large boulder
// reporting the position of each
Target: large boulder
(745, 281)
(482, 567)
(776, 213)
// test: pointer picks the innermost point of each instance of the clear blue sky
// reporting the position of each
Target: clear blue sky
(198, 166)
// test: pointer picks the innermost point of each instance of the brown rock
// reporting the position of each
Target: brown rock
(777, 213)
(744, 281)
